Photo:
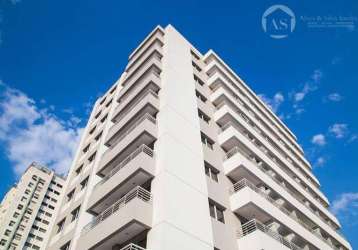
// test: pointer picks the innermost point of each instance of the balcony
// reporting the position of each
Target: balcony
(154, 48)
(250, 201)
(132, 246)
(255, 235)
(144, 131)
(119, 223)
(240, 164)
(156, 34)
(148, 105)
(237, 134)
(152, 67)
(147, 96)
(135, 170)
(215, 69)
(231, 108)
(153, 61)
(149, 75)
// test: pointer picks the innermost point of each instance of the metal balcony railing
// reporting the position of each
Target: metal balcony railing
(147, 116)
(254, 225)
(139, 99)
(138, 192)
(271, 142)
(141, 149)
(264, 150)
(264, 115)
(132, 246)
(245, 183)
(128, 90)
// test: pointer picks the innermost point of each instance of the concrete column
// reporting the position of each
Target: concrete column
(181, 219)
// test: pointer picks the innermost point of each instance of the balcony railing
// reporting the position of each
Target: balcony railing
(252, 124)
(132, 247)
(254, 225)
(235, 150)
(139, 99)
(147, 116)
(141, 149)
(138, 192)
(264, 115)
(245, 183)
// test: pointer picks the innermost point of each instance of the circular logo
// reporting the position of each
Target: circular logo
(278, 21)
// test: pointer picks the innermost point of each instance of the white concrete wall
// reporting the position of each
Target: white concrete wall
(181, 217)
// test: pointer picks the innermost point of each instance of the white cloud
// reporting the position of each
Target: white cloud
(317, 76)
(275, 102)
(309, 86)
(343, 202)
(339, 130)
(320, 162)
(334, 97)
(319, 140)
(353, 138)
(32, 134)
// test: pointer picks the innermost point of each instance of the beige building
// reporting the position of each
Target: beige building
(28, 210)
(181, 154)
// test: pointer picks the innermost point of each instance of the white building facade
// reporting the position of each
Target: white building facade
(181, 154)
(28, 210)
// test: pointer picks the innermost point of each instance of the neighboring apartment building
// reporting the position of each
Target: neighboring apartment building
(181, 154)
(28, 209)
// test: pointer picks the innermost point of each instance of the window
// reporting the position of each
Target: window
(79, 169)
(45, 222)
(196, 79)
(98, 136)
(84, 183)
(11, 223)
(92, 130)
(27, 191)
(23, 198)
(104, 118)
(203, 116)
(216, 211)
(20, 207)
(75, 213)
(7, 232)
(194, 55)
(16, 215)
(86, 148)
(109, 103)
(3, 242)
(200, 96)
(17, 236)
(196, 66)
(60, 225)
(211, 172)
(206, 141)
(98, 114)
(66, 246)
(92, 157)
(102, 101)
(112, 90)
(30, 184)
(70, 195)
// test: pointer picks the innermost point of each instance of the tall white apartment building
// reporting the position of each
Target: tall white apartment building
(28, 210)
(180, 154)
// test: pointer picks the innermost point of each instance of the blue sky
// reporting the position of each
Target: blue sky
(57, 57)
